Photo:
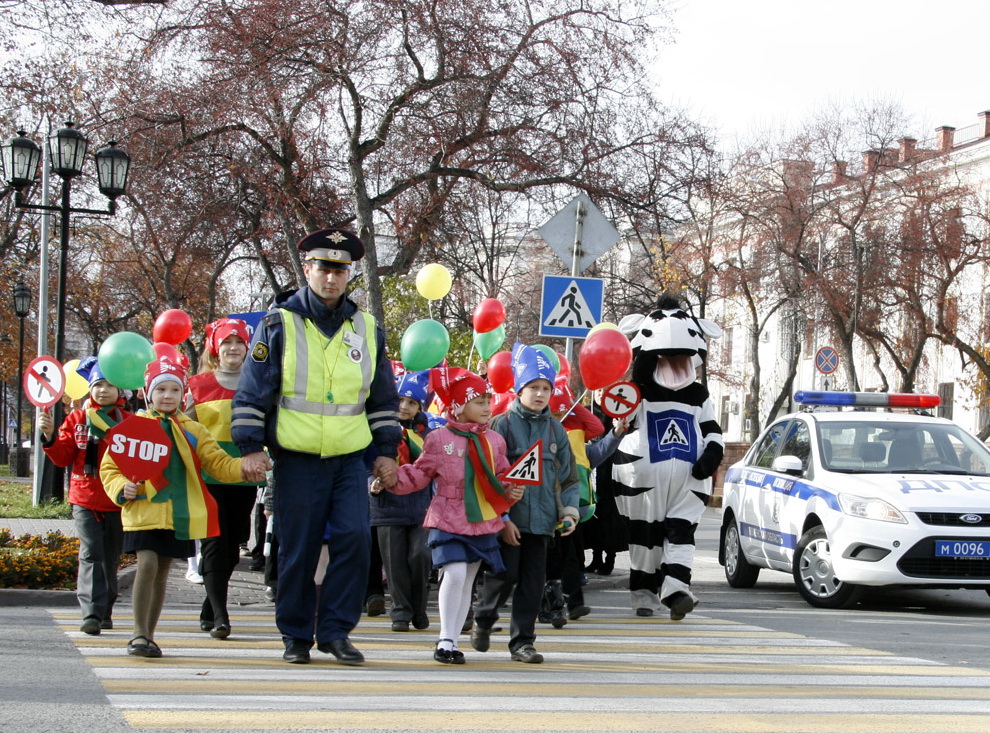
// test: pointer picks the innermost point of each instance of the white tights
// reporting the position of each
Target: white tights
(456, 584)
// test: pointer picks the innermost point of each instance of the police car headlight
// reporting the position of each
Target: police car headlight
(858, 506)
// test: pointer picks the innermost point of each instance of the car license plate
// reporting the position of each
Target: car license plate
(962, 548)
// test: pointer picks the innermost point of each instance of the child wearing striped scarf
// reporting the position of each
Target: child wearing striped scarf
(466, 461)
(164, 515)
(80, 443)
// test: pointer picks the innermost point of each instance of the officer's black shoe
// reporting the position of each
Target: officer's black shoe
(481, 637)
(296, 652)
(343, 650)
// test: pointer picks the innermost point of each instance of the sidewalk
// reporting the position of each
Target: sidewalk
(247, 588)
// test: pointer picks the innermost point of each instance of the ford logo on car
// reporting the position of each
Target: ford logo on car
(971, 518)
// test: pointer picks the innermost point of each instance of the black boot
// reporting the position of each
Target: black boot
(552, 609)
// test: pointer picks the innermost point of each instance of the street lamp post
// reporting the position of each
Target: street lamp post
(4, 452)
(22, 306)
(19, 160)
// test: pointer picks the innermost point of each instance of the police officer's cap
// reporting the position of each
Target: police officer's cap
(337, 246)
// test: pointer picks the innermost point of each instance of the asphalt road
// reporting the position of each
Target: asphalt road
(905, 660)
(940, 625)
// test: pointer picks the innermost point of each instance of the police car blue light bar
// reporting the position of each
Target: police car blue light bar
(867, 399)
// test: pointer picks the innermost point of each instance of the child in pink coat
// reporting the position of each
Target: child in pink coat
(465, 516)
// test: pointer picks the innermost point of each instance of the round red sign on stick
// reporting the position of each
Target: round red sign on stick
(139, 447)
(44, 381)
(620, 399)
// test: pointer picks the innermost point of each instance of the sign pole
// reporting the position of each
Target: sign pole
(575, 258)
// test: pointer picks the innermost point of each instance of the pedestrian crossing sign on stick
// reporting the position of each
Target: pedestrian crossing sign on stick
(529, 468)
(571, 306)
(44, 381)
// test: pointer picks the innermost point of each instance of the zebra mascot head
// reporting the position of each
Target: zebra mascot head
(668, 344)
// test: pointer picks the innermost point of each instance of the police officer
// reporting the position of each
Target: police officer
(317, 389)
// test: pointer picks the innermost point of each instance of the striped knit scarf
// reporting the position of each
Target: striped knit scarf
(98, 422)
(411, 446)
(194, 511)
(484, 496)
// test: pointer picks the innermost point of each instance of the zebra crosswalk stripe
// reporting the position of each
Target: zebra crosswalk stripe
(605, 672)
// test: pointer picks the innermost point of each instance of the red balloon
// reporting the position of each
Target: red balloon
(172, 326)
(501, 402)
(565, 366)
(500, 372)
(168, 351)
(489, 315)
(604, 358)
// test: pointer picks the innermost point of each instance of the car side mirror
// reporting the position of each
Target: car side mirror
(788, 464)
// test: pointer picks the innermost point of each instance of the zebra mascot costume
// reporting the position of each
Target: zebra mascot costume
(663, 466)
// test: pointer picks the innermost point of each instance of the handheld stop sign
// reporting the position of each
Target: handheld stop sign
(139, 447)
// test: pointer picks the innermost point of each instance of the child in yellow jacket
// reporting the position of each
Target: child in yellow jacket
(162, 523)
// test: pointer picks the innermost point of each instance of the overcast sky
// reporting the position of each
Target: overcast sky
(744, 65)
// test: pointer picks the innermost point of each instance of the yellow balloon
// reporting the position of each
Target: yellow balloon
(75, 386)
(433, 281)
(601, 327)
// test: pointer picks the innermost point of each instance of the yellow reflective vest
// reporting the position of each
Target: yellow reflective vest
(325, 383)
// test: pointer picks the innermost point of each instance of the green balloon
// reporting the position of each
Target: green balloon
(549, 354)
(123, 358)
(424, 345)
(489, 342)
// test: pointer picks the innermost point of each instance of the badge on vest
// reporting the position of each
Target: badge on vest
(354, 345)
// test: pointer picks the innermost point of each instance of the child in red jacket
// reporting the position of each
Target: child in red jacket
(80, 443)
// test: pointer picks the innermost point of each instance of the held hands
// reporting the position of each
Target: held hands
(620, 426)
(130, 490)
(254, 466)
(510, 534)
(386, 473)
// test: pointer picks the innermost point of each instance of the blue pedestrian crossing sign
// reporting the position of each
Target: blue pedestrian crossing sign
(571, 306)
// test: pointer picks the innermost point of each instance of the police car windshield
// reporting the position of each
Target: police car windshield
(908, 447)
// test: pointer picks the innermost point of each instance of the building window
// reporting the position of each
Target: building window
(727, 346)
(946, 390)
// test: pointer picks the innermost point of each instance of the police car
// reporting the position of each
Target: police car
(846, 499)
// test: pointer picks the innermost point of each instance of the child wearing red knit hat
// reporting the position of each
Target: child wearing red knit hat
(162, 517)
(466, 461)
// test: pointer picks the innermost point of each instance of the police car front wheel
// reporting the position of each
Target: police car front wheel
(815, 577)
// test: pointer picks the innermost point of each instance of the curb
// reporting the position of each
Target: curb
(58, 598)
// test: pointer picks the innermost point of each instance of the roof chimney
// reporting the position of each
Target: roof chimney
(839, 171)
(907, 151)
(870, 160)
(943, 138)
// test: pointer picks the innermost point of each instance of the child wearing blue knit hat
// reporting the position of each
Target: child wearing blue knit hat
(80, 443)
(543, 509)
(398, 519)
